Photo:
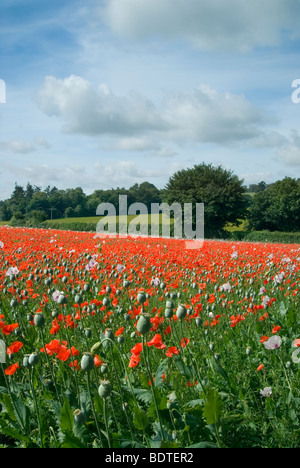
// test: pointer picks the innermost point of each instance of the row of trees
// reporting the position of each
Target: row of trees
(274, 207)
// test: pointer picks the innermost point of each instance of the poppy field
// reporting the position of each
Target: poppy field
(142, 343)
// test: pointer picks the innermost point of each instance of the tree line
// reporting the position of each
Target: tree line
(273, 207)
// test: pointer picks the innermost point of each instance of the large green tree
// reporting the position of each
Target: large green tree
(221, 192)
(277, 208)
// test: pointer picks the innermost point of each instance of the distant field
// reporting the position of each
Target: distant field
(155, 218)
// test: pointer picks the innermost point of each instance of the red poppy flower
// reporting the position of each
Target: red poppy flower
(12, 369)
(171, 351)
(157, 342)
(14, 347)
(119, 332)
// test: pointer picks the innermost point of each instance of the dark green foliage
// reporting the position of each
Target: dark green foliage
(220, 190)
(277, 208)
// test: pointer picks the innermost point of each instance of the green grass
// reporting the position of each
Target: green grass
(155, 218)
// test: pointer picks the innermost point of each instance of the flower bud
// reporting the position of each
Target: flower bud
(95, 347)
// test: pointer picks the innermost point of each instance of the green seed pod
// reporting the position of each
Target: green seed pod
(79, 416)
(62, 299)
(248, 351)
(141, 297)
(181, 312)
(33, 359)
(87, 362)
(109, 334)
(144, 324)
(104, 389)
(39, 320)
(104, 369)
(168, 313)
(88, 332)
(26, 360)
(199, 321)
(78, 299)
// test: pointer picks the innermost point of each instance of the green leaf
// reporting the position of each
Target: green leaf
(162, 369)
(66, 419)
(9, 406)
(143, 395)
(140, 419)
(12, 432)
(203, 445)
(222, 372)
(70, 441)
(17, 411)
(213, 407)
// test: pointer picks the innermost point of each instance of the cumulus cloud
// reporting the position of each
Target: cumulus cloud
(92, 111)
(290, 152)
(200, 115)
(207, 24)
(23, 146)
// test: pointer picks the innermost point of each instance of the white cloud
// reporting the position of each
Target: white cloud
(135, 123)
(290, 153)
(92, 111)
(207, 24)
(23, 146)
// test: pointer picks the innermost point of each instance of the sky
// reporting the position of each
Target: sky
(108, 93)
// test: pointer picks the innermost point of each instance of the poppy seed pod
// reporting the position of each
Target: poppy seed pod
(62, 299)
(144, 324)
(199, 322)
(79, 416)
(141, 297)
(109, 334)
(87, 362)
(33, 359)
(26, 360)
(168, 313)
(78, 299)
(39, 320)
(181, 312)
(104, 389)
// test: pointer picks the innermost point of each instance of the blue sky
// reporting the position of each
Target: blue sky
(108, 93)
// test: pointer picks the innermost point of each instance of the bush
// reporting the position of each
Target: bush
(274, 236)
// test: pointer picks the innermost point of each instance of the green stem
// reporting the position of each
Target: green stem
(106, 424)
(35, 404)
(93, 407)
(50, 367)
(148, 367)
